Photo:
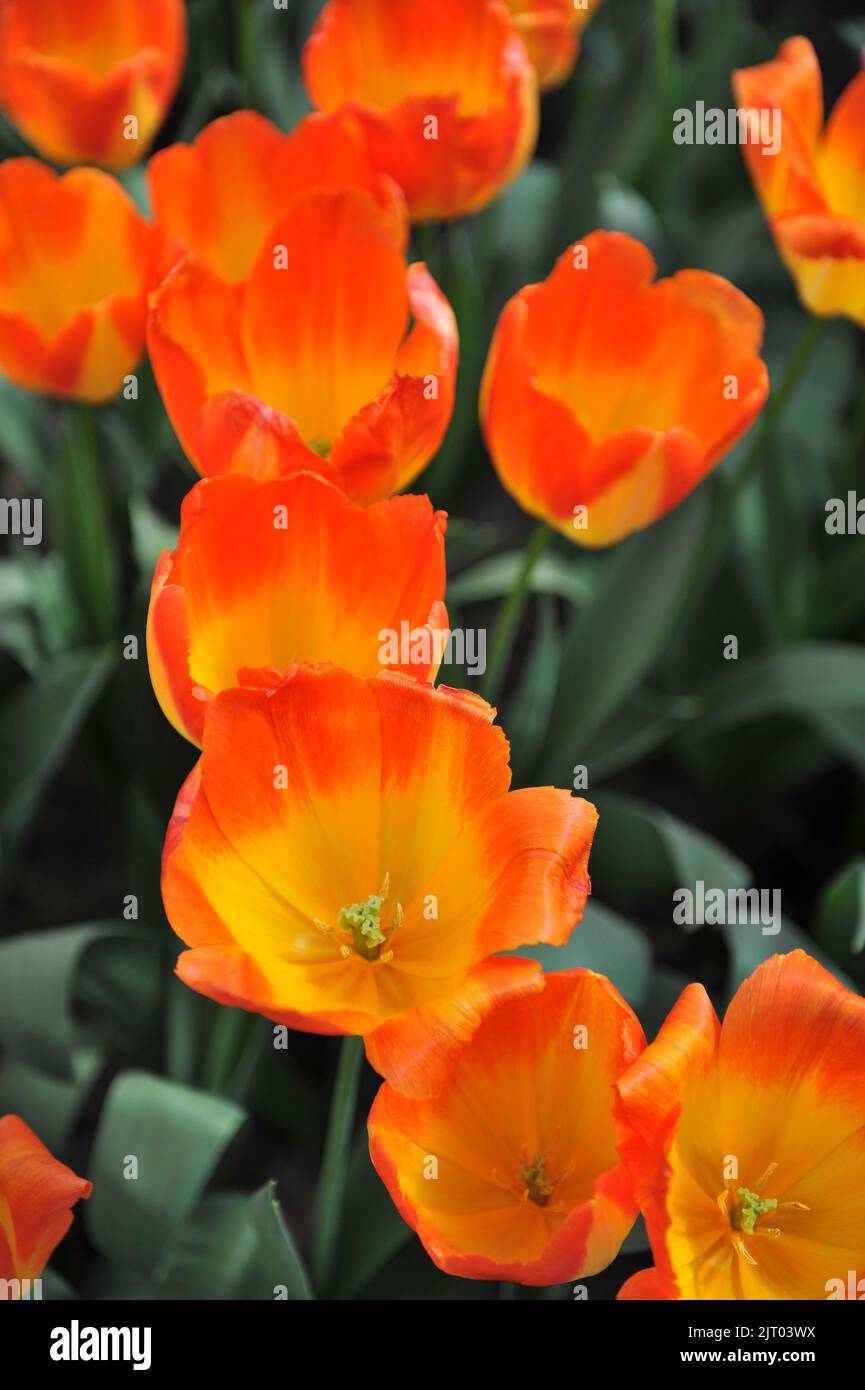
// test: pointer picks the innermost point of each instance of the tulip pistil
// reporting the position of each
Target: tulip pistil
(744, 1214)
(748, 1210)
(362, 925)
(537, 1187)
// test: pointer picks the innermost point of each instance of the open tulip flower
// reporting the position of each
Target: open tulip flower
(746, 1140)
(90, 82)
(346, 855)
(812, 189)
(266, 575)
(220, 196)
(551, 30)
(607, 398)
(77, 262)
(36, 1198)
(444, 89)
(331, 355)
(511, 1172)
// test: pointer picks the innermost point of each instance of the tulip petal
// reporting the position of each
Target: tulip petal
(213, 612)
(324, 312)
(519, 1088)
(36, 1196)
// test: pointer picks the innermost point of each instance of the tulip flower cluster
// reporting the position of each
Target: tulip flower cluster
(347, 855)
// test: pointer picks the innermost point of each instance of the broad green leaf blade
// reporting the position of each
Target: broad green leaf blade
(85, 530)
(157, 1147)
(816, 678)
(749, 947)
(615, 641)
(213, 1251)
(38, 725)
(495, 576)
(662, 853)
(606, 943)
(840, 927)
(372, 1231)
(50, 1106)
(529, 709)
(277, 1270)
(52, 982)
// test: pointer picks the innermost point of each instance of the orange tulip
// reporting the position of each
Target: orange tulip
(36, 1197)
(90, 82)
(76, 264)
(444, 89)
(551, 31)
(346, 855)
(266, 575)
(746, 1140)
(220, 196)
(310, 362)
(512, 1171)
(812, 189)
(606, 399)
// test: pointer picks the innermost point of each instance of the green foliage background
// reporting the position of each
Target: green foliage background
(736, 773)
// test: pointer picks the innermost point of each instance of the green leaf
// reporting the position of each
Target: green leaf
(84, 529)
(235, 1247)
(212, 1254)
(822, 683)
(176, 1137)
(495, 576)
(372, 1230)
(38, 978)
(38, 725)
(750, 947)
(606, 943)
(529, 709)
(277, 1262)
(51, 1107)
(23, 432)
(661, 852)
(617, 638)
(840, 925)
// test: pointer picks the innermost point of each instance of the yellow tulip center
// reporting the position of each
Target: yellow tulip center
(360, 930)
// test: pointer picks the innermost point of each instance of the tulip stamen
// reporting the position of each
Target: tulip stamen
(766, 1176)
(744, 1251)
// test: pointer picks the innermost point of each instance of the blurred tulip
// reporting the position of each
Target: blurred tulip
(346, 855)
(220, 196)
(310, 363)
(746, 1139)
(606, 398)
(36, 1197)
(77, 261)
(266, 575)
(90, 82)
(444, 90)
(812, 189)
(551, 31)
(527, 1185)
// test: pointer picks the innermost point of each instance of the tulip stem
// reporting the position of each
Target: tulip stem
(778, 403)
(509, 614)
(243, 49)
(667, 83)
(334, 1168)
